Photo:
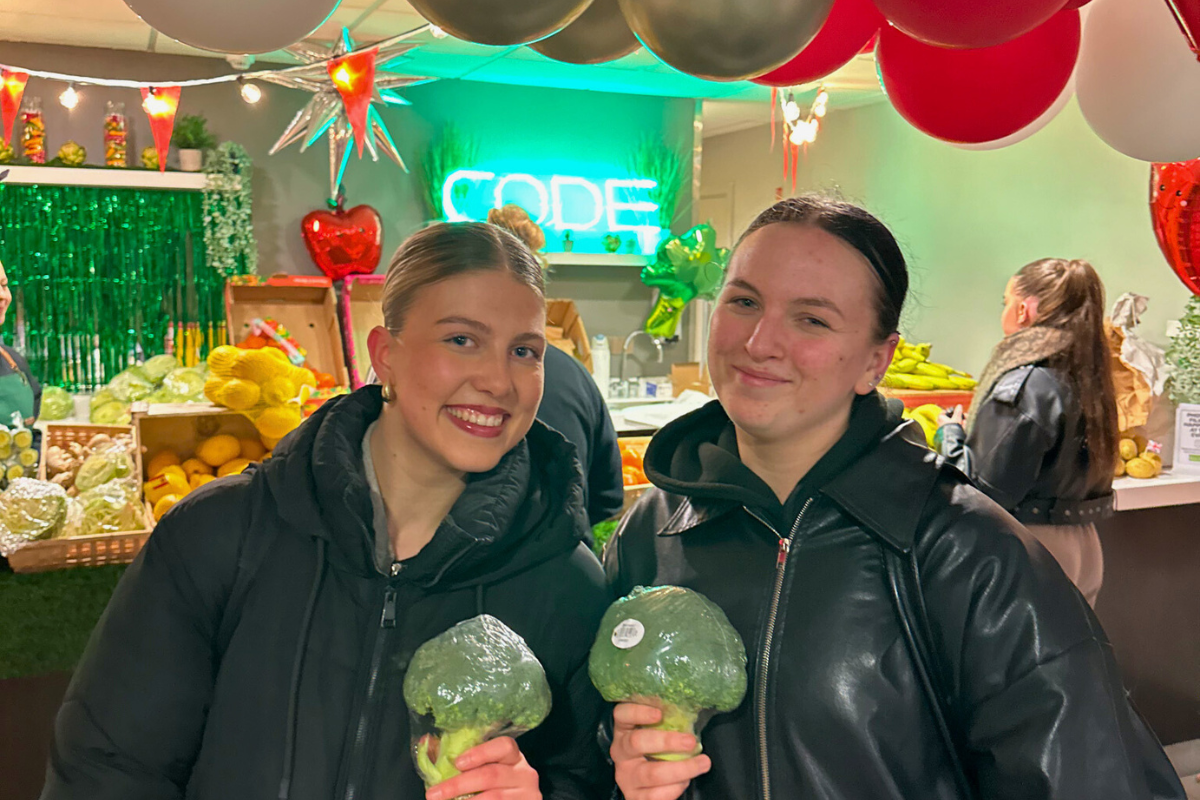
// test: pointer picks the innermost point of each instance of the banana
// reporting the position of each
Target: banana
(915, 382)
(930, 410)
(960, 382)
(905, 365)
(931, 370)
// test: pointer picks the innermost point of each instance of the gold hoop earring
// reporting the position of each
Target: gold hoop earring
(388, 394)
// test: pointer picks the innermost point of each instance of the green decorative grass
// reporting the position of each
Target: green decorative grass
(46, 618)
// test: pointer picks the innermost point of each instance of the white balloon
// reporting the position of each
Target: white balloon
(235, 26)
(1138, 81)
(1029, 130)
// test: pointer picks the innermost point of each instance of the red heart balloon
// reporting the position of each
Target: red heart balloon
(344, 242)
(1174, 196)
(851, 25)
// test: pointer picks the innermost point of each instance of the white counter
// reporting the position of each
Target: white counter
(1169, 489)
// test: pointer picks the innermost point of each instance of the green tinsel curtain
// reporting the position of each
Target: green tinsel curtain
(99, 275)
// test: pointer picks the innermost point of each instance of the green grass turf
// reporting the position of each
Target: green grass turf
(45, 618)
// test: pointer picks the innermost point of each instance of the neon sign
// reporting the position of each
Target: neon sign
(588, 209)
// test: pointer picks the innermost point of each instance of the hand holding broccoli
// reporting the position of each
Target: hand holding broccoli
(476, 685)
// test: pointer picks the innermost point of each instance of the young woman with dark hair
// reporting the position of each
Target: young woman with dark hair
(906, 637)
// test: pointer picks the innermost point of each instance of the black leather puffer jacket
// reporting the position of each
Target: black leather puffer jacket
(839, 706)
(1027, 450)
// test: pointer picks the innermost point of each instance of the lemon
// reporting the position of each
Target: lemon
(278, 391)
(169, 483)
(162, 460)
(238, 394)
(1129, 449)
(165, 504)
(175, 470)
(199, 479)
(222, 359)
(233, 467)
(252, 449)
(268, 442)
(304, 377)
(194, 466)
(217, 450)
(259, 366)
(275, 423)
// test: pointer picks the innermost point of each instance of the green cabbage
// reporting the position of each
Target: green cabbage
(103, 466)
(131, 385)
(31, 510)
(112, 507)
(57, 403)
(159, 367)
(114, 412)
(184, 386)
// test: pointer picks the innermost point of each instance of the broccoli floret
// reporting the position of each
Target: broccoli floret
(476, 681)
(671, 648)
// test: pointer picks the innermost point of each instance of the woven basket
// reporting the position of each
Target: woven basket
(78, 551)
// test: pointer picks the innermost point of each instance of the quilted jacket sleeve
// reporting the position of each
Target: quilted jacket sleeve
(1036, 694)
(134, 714)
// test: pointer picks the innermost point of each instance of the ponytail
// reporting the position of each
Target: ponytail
(1071, 298)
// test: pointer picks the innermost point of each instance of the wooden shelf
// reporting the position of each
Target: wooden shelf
(132, 178)
(598, 259)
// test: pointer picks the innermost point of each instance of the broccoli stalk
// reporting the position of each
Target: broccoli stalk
(673, 649)
(476, 681)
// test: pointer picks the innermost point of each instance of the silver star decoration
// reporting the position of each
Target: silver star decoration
(325, 114)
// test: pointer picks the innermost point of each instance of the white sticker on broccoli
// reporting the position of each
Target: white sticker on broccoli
(628, 633)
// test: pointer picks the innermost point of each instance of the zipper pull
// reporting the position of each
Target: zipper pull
(784, 548)
(388, 620)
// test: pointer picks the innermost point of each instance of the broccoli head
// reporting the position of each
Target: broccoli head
(476, 681)
(671, 648)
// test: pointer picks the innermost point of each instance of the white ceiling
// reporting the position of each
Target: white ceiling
(728, 106)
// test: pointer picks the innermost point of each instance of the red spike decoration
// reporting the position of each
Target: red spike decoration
(160, 104)
(354, 77)
(12, 88)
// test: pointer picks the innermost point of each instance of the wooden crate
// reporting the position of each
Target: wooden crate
(308, 311)
(80, 551)
(180, 428)
(945, 398)
(563, 315)
(632, 493)
(361, 310)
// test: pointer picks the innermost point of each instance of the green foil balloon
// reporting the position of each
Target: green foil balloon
(686, 267)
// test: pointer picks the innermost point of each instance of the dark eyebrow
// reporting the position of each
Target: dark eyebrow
(468, 322)
(738, 283)
(536, 338)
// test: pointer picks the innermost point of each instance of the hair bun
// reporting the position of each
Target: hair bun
(517, 221)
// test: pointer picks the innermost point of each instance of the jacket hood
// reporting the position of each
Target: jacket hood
(525, 511)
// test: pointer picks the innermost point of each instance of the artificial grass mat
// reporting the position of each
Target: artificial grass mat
(46, 617)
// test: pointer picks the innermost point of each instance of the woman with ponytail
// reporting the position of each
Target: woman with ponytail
(1042, 434)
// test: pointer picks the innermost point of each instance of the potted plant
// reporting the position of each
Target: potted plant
(192, 138)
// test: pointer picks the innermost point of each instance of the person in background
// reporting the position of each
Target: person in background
(1042, 436)
(572, 403)
(258, 645)
(907, 638)
(20, 393)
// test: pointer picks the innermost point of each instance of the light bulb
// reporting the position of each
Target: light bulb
(251, 93)
(341, 76)
(791, 111)
(819, 110)
(437, 32)
(69, 98)
(797, 136)
(156, 106)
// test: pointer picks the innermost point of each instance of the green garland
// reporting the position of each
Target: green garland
(656, 161)
(228, 205)
(450, 150)
(99, 275)
(1184, 355)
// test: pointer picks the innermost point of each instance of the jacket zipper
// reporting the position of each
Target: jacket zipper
(764, 663)
(387, 621)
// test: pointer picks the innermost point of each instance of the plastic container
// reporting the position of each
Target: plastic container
(115, 135)
(33, 137)
(601, 363)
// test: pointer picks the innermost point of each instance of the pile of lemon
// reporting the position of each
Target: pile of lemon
(173, 478)
(1137, 458)
(262, 384)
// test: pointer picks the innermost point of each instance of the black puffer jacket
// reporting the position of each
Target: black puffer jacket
(260, 592)
(1027, 450)
(1030, 693)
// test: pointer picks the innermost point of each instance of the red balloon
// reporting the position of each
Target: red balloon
(980, 95)
(1174, 198)
(1187, 14)
(849, 28)
(344, 242)
(1076, 3)
(967, 23)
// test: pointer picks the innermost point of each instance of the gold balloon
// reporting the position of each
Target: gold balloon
(600, 34)
(500, 22)
(725, 40)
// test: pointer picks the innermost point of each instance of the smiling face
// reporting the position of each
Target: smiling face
(5, 294)
(793, 334)
(466, 370)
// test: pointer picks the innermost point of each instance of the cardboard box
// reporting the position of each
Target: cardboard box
(308, 309)
(179, 428)
(361, 310)
(563, 315)
(688, 375)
